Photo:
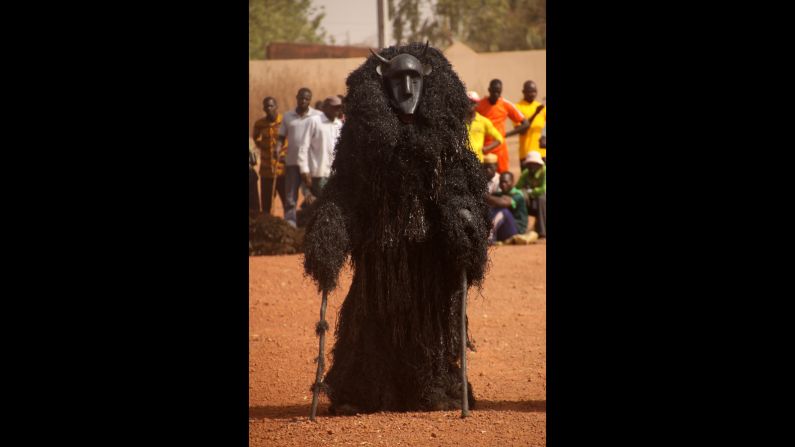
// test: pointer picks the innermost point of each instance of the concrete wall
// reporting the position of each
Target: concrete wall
(325, 77)
(513, 68)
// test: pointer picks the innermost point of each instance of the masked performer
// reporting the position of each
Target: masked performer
(404, 200)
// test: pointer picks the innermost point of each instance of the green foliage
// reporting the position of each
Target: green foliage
(405, 16)
(282, 21)
(484, 25)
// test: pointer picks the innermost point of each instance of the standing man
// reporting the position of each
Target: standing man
(497, 110)
(292, 130)
(478, 127)
(536, 113)
(253, 195)
(316, 152)
(543, 143)
(341, 115)
(271, 168)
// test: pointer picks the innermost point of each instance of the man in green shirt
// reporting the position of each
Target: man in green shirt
(516, 201)
(508, 212)
(533, 183)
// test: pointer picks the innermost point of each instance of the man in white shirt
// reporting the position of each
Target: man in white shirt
(292, 129)
(490, 168)
(316, 151)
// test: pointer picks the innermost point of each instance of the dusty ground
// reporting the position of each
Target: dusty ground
(508, 371)
(507, 320)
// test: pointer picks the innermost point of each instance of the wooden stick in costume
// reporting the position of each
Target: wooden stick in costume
(466, 216)
(464, 400)
(274, 156)
(402, 174)
(322, 327)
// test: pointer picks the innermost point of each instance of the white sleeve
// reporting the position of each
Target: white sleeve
(303, 148)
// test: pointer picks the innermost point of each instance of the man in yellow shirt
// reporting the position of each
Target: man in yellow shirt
(536, 113)
(478, 127)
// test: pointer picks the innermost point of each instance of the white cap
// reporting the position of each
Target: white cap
(533, 157)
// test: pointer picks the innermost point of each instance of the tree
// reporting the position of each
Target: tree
(408, 25)
(283, 21)
(484, 25)
(405, 16)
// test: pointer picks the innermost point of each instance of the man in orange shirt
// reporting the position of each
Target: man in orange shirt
(497, 110)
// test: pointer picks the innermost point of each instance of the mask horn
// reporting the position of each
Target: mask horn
(426, 68)
(381, 58)
(384, 62)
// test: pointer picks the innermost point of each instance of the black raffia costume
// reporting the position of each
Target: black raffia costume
(393, 204)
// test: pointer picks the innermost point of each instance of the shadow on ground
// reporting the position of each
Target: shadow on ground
(292, 411)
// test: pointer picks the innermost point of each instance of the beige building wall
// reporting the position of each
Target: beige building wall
(325, 77)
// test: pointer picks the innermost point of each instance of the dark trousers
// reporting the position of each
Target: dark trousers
(538, 209)
(253, 194)
(266, 186)
(504, 228)
(318, 183)
(305, 213)
(292, 181)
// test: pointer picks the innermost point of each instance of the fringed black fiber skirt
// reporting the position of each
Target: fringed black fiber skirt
(398, 336)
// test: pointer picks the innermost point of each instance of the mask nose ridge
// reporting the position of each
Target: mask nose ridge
(407, 83)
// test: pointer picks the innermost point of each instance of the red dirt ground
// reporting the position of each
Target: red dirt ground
(507, 320)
